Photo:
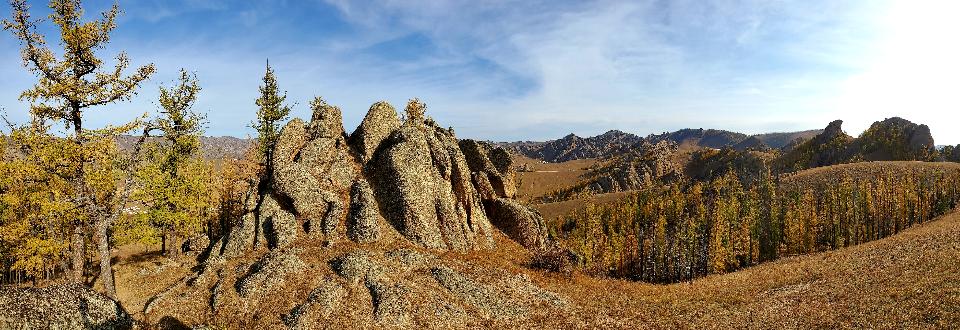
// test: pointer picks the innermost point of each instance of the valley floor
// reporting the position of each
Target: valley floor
(910, 280)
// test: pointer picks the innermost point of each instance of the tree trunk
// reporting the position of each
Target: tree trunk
(106, 272)
(78, 254)
(171, 246)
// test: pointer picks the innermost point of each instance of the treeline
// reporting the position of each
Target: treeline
(682, 232)
(69, 194)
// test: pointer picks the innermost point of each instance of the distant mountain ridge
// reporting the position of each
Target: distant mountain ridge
(615, 142)
(211, 147)
(572, 147)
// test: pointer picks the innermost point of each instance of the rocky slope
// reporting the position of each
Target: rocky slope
(68, 306)
(573, 147)
(643, 166)
(888, 140)
(349, 230)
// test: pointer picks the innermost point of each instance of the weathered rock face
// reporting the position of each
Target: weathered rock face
(411, 188)
(70, 306)
(495, 164)
(363, 225)
(380, 121)
(520, 223)
(421, 183)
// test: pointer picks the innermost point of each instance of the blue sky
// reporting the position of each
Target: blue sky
(512, 70)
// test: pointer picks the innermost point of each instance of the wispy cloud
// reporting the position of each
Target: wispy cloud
(540, 69)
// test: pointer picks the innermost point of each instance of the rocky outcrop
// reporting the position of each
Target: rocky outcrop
(830, 147)
(70, 306)
(413, 178)
(379, 122)
(891, 139)
(363, 224)
(270, 272)
(392, 184)
(322, 302)
(894, 139)
(492, 163)
(573, 147)
(522, 224)
(495, 178)
(419, 176)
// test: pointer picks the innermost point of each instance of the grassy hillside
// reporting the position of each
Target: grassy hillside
(908, 280)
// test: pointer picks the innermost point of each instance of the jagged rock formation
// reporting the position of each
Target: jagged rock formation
(423, 187)
(410, 184)
(380, 121)
(419, 182)
(494, 175)
(827, 148)
(573, 147)
(69, 306)
(614, 143)
(646, 165)
(891, 139)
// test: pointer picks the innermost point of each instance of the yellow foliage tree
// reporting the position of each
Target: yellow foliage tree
(175, 183)
(68, 86)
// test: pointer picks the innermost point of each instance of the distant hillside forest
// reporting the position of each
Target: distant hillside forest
(627, 162)
(684, 231)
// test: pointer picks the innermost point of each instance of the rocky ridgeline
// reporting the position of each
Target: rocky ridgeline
(891, 139)
(644, 166)
(371, 209)
(572, 147)
(614, 143)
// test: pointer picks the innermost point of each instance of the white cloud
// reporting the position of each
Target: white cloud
(639, 66)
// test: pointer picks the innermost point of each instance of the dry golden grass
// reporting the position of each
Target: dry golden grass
(910, 280)
(549, 177)
(555, 210)
(864, 170)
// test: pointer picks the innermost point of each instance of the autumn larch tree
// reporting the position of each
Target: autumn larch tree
(175, 179)
(270, 113)
(69, 84)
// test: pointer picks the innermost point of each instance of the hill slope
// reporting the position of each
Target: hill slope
(908, 280)
(891, 139)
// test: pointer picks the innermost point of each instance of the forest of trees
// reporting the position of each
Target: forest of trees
(682, 232)
(69, 194)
